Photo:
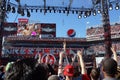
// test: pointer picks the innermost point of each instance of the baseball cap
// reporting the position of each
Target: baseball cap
(68, 70)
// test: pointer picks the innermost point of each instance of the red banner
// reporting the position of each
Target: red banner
(22, 20)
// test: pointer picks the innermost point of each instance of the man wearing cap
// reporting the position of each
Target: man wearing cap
(68, 71)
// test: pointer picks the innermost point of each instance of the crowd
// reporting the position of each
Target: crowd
(35, 69)
(100, 30)
(99, 48)
(97, 33)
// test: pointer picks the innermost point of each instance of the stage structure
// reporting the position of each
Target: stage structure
(98, 5)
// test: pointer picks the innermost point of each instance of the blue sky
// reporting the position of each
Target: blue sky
(64, 22)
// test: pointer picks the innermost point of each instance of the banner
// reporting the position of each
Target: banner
(34, 51)
(9, 28)
(48, 29)
(22, 20)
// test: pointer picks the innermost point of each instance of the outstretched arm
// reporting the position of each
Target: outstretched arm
(64, 45)
(60, 62)
(61, 58)
(82, 64)
(114, 54)
(39, 58)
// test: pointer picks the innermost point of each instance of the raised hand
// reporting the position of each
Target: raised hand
(80, 52)
(113, 49)
(64, 45)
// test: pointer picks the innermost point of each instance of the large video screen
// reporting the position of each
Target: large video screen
(35, 29)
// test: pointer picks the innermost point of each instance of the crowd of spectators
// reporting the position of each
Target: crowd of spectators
(76, 67)
(97, 33)
(36, 69)
(99, 48)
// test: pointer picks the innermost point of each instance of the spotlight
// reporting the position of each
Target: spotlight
(19, 10)
(81, 12)
(48, 7)
(76, 12)
(85, 13)
(85, 16)
(94, 12)
(67, 11)
(45, 10)
(13, 10)
(72, 11)
(117, 6)
(22, 12)
(28, 13)
(79, 16)
(63, 11)
(88, 13)
(8, 7)
(40, 10)
(31, 10)
(3, 7)
(36, 10)
(54, 11)
(50, 10)
(59, 11)
(110, 6)
(99, 11)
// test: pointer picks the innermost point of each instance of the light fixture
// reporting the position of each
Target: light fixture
(31, 10)
(3, 7)
(67, 11)
(79, 16)
(76, 12)
(50, 10)
(117, 6)
(94, 12)
(54, 10)
(19, 9)
(88, 13)
(85, 14)
(22, 12)
(59, 11)
(13, 10)
(8, 7)
(40, 10)
(72, 11)
(63, 11)
(36, 10)
(110, 6)
(28, 13)
(99, 11)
